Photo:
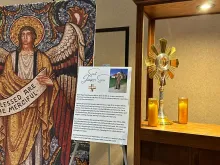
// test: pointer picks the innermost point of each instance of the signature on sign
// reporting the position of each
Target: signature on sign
(94, 76)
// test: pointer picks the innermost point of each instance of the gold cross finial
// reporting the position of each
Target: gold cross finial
(92, 87)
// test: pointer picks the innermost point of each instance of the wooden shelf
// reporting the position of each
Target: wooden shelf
(198, 142)
(196, 135)
(177, 9)
(190, 128)
(154, 2)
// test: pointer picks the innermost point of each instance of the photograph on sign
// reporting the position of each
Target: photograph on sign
(118, 80)
(102, 105)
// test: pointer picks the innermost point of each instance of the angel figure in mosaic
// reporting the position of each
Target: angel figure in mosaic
(25, 136)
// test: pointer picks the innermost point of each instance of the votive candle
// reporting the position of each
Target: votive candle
(152, 112)
(183, 110)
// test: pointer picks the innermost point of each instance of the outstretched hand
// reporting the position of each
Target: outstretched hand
(44, 80)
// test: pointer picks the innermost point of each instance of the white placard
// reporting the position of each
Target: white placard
(102, 105)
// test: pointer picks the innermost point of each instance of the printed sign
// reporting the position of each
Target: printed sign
(102, 105)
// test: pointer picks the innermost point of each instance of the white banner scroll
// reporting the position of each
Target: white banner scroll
(23, 98)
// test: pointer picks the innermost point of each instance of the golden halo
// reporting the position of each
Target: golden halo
(27, 21)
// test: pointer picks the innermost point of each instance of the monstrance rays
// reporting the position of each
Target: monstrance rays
(162, 60)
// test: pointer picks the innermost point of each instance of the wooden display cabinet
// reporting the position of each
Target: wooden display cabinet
(191, 144)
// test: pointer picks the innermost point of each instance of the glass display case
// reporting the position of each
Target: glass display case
(192, 27)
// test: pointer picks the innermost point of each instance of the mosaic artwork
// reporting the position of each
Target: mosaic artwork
(41, 47)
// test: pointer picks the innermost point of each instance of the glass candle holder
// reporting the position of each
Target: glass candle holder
(152, 112)
(183, 110)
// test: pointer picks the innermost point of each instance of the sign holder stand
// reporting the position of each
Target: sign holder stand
(74, 152)
(124, 154)
(109, 154)
(90, 98)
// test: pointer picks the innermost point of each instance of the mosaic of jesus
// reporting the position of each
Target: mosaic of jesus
(41, 47)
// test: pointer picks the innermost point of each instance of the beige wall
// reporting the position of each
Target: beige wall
(116, 13)
(197, 41)
(110, 13)
(110, 48)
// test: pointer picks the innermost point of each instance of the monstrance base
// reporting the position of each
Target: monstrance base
(164, 121)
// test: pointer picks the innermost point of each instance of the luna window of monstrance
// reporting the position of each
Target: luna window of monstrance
(161, 64)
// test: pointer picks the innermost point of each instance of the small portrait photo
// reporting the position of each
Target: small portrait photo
(118, 80)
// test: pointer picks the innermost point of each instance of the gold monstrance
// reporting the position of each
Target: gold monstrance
(161, 65)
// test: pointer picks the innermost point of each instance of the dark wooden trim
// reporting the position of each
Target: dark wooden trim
(155, 2)
(181, 139)
(114, 29)
(194, 15)
(119, 29)
(151, 38)
(127, 46)
(138, 80)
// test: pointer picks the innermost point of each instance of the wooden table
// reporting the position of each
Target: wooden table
(180, 144)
